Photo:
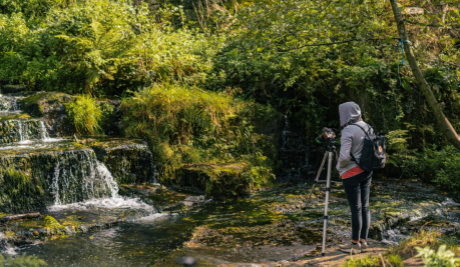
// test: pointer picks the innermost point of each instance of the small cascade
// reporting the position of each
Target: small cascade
(81, 181)
(77, 177)
(44, 133)
(293, 153)
(10, 104)
(22, 131)
(16, 127)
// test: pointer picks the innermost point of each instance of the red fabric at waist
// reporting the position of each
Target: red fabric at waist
(352, 172)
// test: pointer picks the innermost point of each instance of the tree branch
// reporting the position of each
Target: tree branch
(443, 122)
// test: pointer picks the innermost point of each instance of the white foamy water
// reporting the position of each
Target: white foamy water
(25, 142)
(14, 147)
(116, 202)
(156, 216)
(50, 140)
(9, 250)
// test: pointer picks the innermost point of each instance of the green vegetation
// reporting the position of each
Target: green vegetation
(188, 126)
(434, 248)
(395, 260)
(53, 226)
(85, 114)
(367, 261)
(196, 77)
(442, 257)
(22, 260)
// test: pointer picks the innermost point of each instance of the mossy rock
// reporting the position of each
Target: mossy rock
(217, 180)
(50, 105)
(129, 163)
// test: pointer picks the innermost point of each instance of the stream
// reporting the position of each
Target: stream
(91, 216)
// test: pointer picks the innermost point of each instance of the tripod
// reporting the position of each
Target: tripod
(328, 154)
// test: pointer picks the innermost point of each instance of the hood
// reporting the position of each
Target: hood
(349, 111)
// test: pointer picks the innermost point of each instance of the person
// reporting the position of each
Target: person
(356, 181)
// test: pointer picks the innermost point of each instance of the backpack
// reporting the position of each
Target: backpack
(373, 155)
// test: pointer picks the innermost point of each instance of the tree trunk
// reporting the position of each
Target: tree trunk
(444, 125)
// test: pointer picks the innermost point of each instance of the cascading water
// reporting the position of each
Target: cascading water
(66, 181)
(10, 104)
(44, 134)
(80, 181)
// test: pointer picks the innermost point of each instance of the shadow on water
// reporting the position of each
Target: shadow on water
(140, 243)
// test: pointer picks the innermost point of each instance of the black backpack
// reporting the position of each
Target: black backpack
(373, 155)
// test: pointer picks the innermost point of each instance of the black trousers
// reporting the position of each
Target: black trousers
(357, 189)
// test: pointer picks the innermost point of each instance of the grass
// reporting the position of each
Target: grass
(85, 115)
(423, 239)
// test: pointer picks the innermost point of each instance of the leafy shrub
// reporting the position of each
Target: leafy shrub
(188, 125)
(85, 114)
(441, 258)
(395, 260)
(439, 166)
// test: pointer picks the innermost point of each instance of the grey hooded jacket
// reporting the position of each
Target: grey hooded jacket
(352, 136)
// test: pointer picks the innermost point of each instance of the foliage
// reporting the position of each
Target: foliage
(395, 260)
(53, 226)
(438, 166)
(367, 261)
(428, 240)
(440, 258)
(22, 260)
(188, 125)
(304, 62)
(85, 114)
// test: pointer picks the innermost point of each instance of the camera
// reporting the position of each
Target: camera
(327, 134)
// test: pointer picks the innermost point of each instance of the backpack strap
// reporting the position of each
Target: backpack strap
(350, 122)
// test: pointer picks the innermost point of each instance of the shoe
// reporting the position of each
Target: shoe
(351, 248)
(364, 246)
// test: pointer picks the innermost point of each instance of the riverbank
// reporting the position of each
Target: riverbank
(260, 230)
(272, 227)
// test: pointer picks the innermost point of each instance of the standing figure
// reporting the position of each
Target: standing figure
(355, 180)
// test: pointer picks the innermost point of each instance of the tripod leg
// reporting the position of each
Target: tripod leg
(321, 167)
(328, 189)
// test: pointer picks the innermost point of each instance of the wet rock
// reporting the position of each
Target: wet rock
(130, 162)
(217, 180)
(50, 106)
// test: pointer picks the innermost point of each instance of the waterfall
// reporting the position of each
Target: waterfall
(10, 104)
(44, 134)
(77, 178)
(20, 131)
(107, 177)
(80, 181)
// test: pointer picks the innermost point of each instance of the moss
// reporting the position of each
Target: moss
(46, 98)
(53, 226)
(218, 180)
(73, 220)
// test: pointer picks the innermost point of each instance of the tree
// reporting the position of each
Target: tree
(442, 121)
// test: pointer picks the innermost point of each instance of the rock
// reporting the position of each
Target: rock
(50, 106)
(217, 180)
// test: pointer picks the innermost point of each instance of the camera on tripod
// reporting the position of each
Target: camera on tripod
(328, 134)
